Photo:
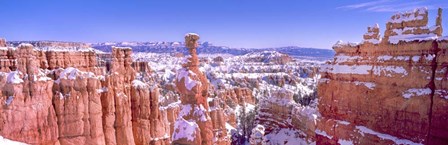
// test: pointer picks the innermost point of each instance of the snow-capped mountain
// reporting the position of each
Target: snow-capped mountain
(208, 48)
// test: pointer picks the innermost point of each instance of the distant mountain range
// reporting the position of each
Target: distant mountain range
(178, 47)
(208, 48)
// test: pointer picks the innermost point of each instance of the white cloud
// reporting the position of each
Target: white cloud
(395, 5)
(363, 5)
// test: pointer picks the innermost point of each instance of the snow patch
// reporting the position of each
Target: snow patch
(13, 77)
(341, 43)
(139, 84)
(369, 85)
(412, 37)
(323, 133)
(345, 142)
(364, 129)
(184, 129)
(286, 137)
(71, 73)
(4, 141)
(347, 69)
(389, 70)
(183, 73)
(416, 92)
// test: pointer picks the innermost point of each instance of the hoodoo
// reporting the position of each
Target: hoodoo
(193, 125)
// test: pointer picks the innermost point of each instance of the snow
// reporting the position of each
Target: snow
(384, 58)
(310, 112)
(25, 45)
(343, 122)
(102, 90)
(389, 70)
(341, 43)
(345, 58)
(430, 57)
(4, 141)
(200, 112)
(183, 73)
(248, 107)
(415, 58)
(71, 73)
(185, 110)
(345, 142)
(411, 37)
(323, 133)
(186, 59)
(68, 49)
(364, 130)
(139, 84)
(347, 69)
(409, 16)
(191, 34)
(13, 77)
(184, 129)
(9, 100)
(286, 137)
(166, 136)
(442, 93)
(416, 92)
(369, 85)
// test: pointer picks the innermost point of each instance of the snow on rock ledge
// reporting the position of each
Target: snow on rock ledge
(4, 141)
(184, 129)
(71, 73)
(14, 77)
(188, 81)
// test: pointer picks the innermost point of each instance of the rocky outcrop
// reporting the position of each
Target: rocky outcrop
(267, 57)
(279, 111)
(193, 125)
(116, 101)
(78, 97)
(27, 113)
(149, 124)
(78, 107)
(390, 92)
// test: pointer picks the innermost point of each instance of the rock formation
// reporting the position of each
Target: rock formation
(279, 111)
(193, 125)
(390, 92)
(53, 95)
(27, 111)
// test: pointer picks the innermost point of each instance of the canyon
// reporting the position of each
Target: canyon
(384, 90)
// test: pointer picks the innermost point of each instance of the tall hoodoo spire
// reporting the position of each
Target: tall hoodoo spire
(193, 125)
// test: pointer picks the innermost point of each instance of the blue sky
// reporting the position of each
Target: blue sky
(234, 23)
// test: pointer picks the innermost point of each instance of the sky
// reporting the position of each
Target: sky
(233, 23)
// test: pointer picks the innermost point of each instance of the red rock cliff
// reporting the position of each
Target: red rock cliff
(61, 96)
(389, 91)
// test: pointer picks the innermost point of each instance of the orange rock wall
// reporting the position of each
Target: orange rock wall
(398, 90)
(72, 98)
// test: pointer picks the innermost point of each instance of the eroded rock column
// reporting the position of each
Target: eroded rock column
(193, 125)
(116, 101)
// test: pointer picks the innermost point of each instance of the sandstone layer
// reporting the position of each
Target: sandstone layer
(72, 96)
(389, 91)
